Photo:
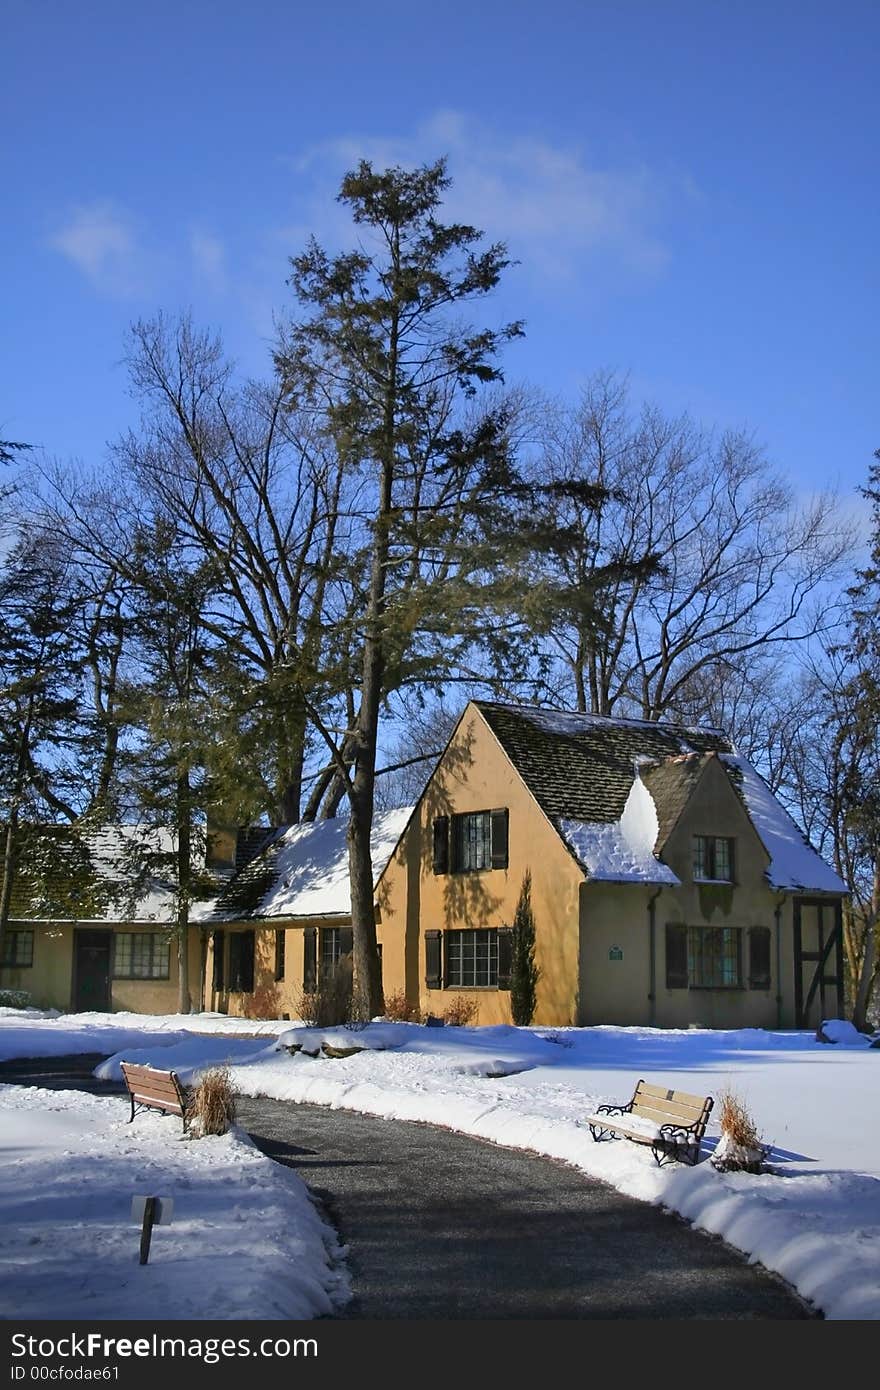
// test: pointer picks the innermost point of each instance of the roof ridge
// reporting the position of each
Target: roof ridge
(614, 719)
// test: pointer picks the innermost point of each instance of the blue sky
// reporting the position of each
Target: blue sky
(691, 190)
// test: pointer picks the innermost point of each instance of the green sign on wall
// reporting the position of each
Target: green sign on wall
(615, 953)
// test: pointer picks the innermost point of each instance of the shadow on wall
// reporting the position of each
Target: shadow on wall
(466, 899)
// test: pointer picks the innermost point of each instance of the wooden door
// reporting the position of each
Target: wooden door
(91, 971)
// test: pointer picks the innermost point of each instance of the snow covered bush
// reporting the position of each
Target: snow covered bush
(212, 1107)
(740, 1148)
(14, 999)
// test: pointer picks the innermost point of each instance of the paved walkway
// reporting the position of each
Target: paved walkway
(440, 1225)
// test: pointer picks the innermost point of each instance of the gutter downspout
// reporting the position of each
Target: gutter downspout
(652, 953)
(777, 917)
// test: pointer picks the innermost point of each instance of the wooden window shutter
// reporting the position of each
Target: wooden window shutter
(759, 957)
(310, 959)
(441, 845)
(346, 941)
(499, 839)
(505, 956)
(434, 959)
(676, 956)
(219, 960)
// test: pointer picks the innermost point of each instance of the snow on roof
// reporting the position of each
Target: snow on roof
(112, 883)
(306, 869)
(621, 851)
(793, 861)
(573, 722)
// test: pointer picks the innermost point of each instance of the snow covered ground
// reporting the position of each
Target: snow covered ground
(815, 1219)
(245, 1240)
(46, 1033)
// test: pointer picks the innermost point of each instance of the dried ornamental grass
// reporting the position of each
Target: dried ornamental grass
(741, 1147)
(212, 1108)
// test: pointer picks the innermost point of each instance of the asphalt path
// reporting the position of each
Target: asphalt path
(441, 1225)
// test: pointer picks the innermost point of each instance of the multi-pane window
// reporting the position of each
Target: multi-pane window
(713, 858)
(336, 942)
(472, 841)
(715, 957)
(141, 955)
(472, 958)
(18, 948)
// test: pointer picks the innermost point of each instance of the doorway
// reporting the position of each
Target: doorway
(91, 971)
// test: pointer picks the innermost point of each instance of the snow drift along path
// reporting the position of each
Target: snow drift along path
(816, 1221)
(245, 1241)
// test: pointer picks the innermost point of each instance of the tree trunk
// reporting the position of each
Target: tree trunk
(8, 875)
(863, 976)
(184, 869)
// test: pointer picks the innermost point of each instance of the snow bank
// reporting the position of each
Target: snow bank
(46, 1033)
(245, 1241)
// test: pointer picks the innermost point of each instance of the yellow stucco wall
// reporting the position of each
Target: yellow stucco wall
(270, 998)
(617, 916)
(50, 982)
(475, 775)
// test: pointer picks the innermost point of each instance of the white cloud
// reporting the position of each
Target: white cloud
(209, 258)
(99, 240)
(558, 210)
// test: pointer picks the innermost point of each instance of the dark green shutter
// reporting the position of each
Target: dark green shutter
(434, 959)
(759, 957)
(505, 956)
(219, 960)
(280, 943)
(346, 941)
(310, 959)
(441, 845)
(499, 839)
(676, 956)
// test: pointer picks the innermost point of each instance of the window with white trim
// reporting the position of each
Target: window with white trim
(142, 955)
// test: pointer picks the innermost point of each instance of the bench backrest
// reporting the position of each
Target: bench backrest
(150, 1086)
(667, 1107)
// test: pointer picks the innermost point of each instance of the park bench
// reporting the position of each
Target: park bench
(672, 1122)
(151, 1089)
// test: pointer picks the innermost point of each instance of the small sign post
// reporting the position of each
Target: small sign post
(150, 1211)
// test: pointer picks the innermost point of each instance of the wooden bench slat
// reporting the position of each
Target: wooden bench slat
(679, 1097)
(166, 1097)
(170, 1091)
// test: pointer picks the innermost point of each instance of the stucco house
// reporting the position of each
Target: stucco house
(669, 886)
(93, 934)
(286, 916)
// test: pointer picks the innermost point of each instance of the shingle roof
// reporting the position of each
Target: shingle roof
(671, 784)
(581, 766)
(581, 769)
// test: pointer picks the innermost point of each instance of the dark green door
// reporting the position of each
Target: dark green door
(91, 990)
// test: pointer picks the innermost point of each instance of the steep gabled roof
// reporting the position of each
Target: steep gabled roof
(580, 766)
(590, 775)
